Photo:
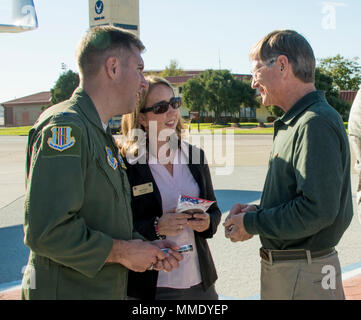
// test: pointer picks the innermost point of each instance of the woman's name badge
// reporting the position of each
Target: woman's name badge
(143, 189)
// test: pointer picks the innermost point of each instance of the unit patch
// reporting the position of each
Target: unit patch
(121, 161)
(112, 161)
(61, 139)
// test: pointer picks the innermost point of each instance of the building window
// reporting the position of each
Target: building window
(180, 90)
(248, 112)
(253, 113)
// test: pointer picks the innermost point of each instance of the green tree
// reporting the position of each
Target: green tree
(275, 111)
(217, 91)
(324, 81)
(220, 95)
(64, 87)
(193, 94)
(346, 73)
(172, 70)
(245, 95)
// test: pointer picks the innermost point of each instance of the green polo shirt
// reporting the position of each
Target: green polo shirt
(306, 201)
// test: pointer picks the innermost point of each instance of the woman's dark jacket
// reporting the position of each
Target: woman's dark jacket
(146, 207)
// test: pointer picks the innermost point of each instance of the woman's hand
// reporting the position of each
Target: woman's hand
(200, 223)
(172, 223)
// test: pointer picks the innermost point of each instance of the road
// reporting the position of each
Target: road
(242, 181)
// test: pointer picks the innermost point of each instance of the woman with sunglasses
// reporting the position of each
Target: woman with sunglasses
(158, 175)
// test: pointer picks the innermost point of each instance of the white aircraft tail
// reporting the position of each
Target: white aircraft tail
(23, 17)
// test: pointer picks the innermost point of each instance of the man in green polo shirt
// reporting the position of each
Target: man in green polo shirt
(306, 204)
(78, 218)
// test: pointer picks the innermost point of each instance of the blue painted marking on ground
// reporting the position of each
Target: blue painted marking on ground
(255, 297)
(227, 198)
(9, 285)
(13, 253)
(351, 267)
(222, 297)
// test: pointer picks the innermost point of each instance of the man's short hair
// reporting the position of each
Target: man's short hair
(291, 44)
(99, 44)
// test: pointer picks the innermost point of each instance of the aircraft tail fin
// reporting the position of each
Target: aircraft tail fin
(24, 17)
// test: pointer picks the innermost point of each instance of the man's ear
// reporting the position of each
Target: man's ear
(283, 62)
(112, 67)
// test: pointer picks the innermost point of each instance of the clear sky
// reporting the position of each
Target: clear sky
(199, 34)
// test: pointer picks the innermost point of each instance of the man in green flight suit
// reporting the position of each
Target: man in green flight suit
(78, 219)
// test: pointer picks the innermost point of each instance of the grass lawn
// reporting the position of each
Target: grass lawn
(208, 126)
(245, 128)
(249, 128)
(15, 131)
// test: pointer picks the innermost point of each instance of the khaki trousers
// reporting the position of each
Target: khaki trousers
(318, 279)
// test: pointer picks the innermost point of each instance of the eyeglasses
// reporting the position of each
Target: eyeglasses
(254, 73)
(163, 106)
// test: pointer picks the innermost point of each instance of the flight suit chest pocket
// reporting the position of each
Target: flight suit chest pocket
(111, 177)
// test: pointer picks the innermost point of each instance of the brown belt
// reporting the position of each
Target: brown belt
(296, 254)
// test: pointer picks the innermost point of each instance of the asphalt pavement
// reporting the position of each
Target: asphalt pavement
(242, 181)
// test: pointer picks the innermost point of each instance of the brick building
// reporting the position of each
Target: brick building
(348, 95)
(24, 111)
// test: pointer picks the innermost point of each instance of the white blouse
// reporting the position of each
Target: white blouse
(171, 187)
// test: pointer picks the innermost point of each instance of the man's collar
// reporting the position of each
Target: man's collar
(301, 105)
(87, 107)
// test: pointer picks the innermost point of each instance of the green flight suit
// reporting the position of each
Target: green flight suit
(77, 201)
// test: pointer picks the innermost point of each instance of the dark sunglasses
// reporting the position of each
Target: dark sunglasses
(163, 106)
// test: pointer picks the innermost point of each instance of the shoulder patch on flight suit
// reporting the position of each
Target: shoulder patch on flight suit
(61, 140)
